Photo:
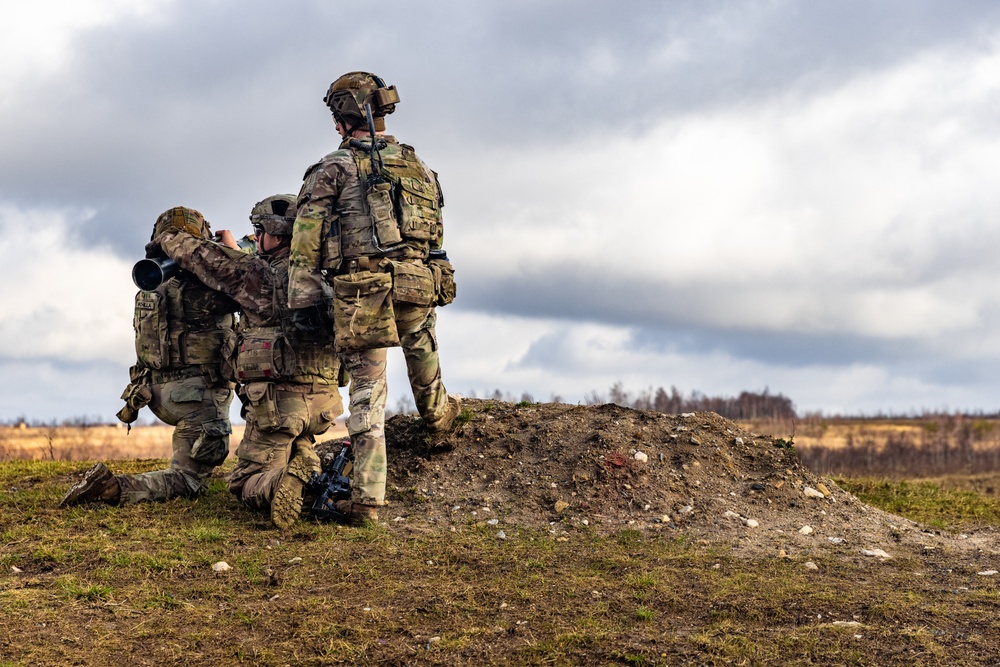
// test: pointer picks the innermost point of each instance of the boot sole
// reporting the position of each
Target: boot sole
(286, 506)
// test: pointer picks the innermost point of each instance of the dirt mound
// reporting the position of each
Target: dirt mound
(604, 468)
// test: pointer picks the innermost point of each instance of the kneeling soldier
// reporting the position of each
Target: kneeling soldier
(288, 378)
(181, 331)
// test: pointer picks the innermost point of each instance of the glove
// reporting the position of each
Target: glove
(308, 320)
(154, 251)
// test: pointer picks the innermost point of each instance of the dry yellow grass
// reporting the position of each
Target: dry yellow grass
(86, 443)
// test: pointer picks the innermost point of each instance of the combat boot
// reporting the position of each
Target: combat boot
(97, 486)
(357, 514)
(451, 410)
(286, 506)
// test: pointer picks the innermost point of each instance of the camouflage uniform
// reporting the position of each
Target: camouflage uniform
(333, 236)
(288, 380)
(183, 330)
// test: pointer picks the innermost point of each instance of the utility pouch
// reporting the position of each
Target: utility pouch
(413, 282)
(263, 405)
(363, 318)
(383, 215)
(444, 281)
(330, 251)
(152, 348)
(137, 394)
(136, 397)
(202, 347)
(263, 355)
(420, 214)
(227, 361)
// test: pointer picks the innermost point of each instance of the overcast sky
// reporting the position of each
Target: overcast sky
(717, 196)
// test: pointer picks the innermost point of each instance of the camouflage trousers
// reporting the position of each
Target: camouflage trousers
(283, 420)
(366, 424)
(423, 367)
(199, 414)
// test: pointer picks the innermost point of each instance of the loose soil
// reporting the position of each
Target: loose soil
(607, 467)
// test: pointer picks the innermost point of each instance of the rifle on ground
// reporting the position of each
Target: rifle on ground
(331, 485)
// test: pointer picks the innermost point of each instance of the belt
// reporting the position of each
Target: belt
(359, 264)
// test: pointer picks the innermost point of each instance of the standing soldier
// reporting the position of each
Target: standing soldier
(369, 225)
(288, 378)
(182, 332)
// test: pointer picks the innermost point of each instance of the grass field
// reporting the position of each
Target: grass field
(87, 443)
(135, 585)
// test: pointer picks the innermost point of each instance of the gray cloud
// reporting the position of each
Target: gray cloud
(215, 105)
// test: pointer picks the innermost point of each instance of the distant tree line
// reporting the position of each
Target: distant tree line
(747, 405)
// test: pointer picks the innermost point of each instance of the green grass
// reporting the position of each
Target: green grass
(926, 502)
(102, 583)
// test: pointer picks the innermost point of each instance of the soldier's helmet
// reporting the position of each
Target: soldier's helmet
(274, 214)
(348, 95)
(185, 219)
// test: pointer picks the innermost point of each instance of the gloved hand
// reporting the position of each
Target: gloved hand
(309, 320)
(154, 251)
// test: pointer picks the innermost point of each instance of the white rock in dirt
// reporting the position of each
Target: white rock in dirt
(729, 514)
(16, 570)
(501, 535)
(738, 441)
(875, 552)
(641, 457)
(492, 522)
(806, 530)
(686, 509)
(751, 523)
(811, 565)
(687, 414)
(836, 540)
(297, 559)
(221, 566)
(812, 493)
(987, 573)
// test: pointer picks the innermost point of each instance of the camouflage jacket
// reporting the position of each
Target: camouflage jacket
(260, 286)
(333, 223)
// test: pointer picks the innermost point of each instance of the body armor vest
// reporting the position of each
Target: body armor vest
(272, 349)
(400, 218)
(180, 325)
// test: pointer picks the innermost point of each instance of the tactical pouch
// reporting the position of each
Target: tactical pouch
(263, 355)
(263, 405)
(330, 250)
(413, 283)
(227, 356)
(137, 395)
(212, 445)
(202, 347)
(383, 215)
(444, 281)
(363, 318)
(152, 348)
(420, 215)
